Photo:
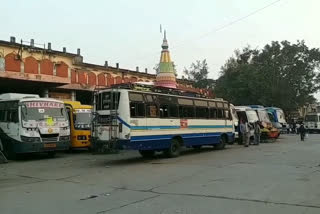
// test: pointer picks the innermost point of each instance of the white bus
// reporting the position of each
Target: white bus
(31, 124)
(248, 115)
(235, 121)
(157, 121)
(312, 122)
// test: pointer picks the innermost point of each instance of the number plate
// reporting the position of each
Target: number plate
(50, 145)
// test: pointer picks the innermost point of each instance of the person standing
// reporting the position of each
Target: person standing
(257, 133)
(3, 158)
(302, 131)
(294, 128)
(244, 129)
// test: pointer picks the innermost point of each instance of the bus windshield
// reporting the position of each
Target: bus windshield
(108, 100)
(82, 119)
(311, 118)
(40, 110)
(252, 116)
(281, 117)
(271, 117)
(263, 115)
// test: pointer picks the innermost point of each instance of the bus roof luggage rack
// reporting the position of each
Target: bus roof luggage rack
(12, 96)
(157, 89)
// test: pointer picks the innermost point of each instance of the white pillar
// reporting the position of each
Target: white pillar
(46, 93)
(73, 96)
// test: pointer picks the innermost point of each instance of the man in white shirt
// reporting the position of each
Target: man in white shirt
(245, 131)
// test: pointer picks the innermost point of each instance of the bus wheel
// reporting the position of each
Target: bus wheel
(51, 154)
(147, 153)
(221, 144)
(174, 149)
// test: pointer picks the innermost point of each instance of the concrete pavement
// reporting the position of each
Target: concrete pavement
(281, 177)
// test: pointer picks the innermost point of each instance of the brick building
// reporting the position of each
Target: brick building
(28, 68)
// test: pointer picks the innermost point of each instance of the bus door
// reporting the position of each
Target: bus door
(69, 113)
(12, 120)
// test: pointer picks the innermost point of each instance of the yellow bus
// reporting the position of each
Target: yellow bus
(80, 124)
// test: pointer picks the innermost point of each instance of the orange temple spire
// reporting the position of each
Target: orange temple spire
(166, 74)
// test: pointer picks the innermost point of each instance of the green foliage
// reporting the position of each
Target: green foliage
(198, 72)
(281, 74)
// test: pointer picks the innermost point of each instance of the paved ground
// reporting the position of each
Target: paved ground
(282, 177)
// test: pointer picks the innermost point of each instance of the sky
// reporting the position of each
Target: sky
(128, 32)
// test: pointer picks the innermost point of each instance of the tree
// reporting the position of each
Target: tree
(281, 74)
(198, 73)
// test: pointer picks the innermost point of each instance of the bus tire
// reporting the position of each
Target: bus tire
(222, 143)
(147, 153)
(174, 149)
(52, 154)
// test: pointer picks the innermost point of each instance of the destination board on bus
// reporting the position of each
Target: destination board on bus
(45, 104)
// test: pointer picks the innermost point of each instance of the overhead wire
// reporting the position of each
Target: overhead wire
(215, 30)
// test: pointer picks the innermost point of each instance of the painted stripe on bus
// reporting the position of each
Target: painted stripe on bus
(168, 137)
(170, 127)
(178, 127)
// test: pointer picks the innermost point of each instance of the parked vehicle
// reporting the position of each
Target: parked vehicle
(249, 115)
(279, 117)
(31, 124)
(267, 130)
(80, 123)
(150, 119)
(235, 122)
(312, 122)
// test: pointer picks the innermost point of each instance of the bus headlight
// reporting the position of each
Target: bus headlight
(30, 139)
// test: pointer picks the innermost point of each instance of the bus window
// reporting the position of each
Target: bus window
(152, 110)
(13, 116)
(137, 109)
(213, 113)
(186, 111)
(202, 112)
(2, 115)
(212, 104)
(188, 102)
(168, 106)
(221, 114)
(173, 111)
(164, 111)
(137, 106)
(227, 114)
(219, 105)
(107, 102)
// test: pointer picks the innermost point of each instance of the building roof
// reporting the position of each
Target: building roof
(81, 63)
(19, 45)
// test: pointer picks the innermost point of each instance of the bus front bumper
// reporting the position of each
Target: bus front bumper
(26, 147)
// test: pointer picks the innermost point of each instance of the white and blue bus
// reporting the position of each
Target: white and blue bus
(151, 121)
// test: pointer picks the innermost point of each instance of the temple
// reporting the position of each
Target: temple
(166, 74)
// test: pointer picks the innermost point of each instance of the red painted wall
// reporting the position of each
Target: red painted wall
(62, 70)
(82, 77)
(11, 64)
(73, 76)
(101, 79)
(30, 65)
(46, 67)
(118, 80)
(92, 79)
